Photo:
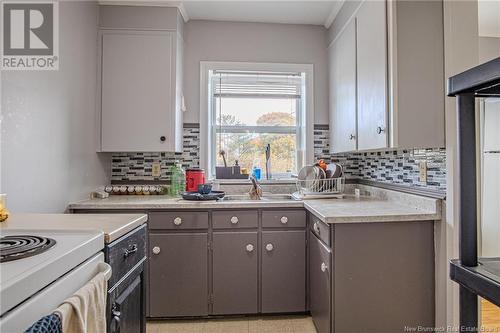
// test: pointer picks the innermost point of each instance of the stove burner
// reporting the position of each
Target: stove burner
(23, 246)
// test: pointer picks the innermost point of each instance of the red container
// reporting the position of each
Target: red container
(194, 177)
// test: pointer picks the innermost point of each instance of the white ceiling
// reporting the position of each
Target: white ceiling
(291, 12)
(489, 18)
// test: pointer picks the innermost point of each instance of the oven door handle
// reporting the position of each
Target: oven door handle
(105, 269)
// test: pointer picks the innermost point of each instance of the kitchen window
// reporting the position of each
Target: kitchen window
(249, 109)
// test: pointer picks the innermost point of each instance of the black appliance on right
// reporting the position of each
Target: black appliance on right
(476, 276)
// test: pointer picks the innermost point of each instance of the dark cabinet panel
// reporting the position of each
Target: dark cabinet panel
(235, 259)
(235, 219)
(321, 229)
(283, 271)
(284, 219)
(320, 289)
(126, 312)
(178, 220)
(178, 274)
(126, 252)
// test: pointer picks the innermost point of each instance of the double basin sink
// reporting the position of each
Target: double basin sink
(266, 197)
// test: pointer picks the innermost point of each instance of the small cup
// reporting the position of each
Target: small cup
(204, 188)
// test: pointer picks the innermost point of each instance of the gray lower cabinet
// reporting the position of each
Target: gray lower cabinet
(178, 274)
(235, 273)
(283, 271)
(320, 286)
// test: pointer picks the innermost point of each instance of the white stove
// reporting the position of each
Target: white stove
(39, 269)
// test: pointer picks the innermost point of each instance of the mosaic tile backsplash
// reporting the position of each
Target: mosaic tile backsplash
(395, 167)
(139, 166)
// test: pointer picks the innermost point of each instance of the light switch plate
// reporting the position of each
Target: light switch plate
(422, 168)
(156, 169)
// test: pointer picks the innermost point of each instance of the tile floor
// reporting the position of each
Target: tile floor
(281, 324)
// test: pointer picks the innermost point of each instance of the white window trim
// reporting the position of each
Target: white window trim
(207, 66)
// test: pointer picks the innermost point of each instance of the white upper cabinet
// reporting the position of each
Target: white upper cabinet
(399, 80)
(140, 90)
(371, 58)
(342, 57)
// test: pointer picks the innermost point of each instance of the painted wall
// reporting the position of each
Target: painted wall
(254, 42)
(48, 127)
(461, 53)
(489, 48)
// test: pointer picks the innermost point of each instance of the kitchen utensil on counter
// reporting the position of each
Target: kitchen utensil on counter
(334, 170)
(194, 177)
(223, 155)
(195, 196)
(268, 161)
(204, 188)
(312, 182)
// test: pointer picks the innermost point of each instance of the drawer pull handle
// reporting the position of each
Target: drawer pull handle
(177, 221)
(316, 228)
(156, 250)
(234, 219)
(131, 250)
(249, 248)
(269, 247)
(324, 267)
(284, 220)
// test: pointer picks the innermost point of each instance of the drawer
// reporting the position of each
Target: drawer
(321, 230)
(124, 253)
(284, 219)
(235, 219)
(178, 220)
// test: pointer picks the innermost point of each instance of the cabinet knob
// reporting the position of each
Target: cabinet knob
(163, 138)
(284, 219)
(324, 267)
(380, 130)
(156, 250)
(234, 219)
(249, 248)
(316, 227)
(269, 247)
(177, 221)
(352, 137)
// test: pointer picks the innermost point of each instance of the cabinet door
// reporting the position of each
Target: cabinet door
(283, 271)
(372, 75)
(320, 284)
(178, 276)
(137, 91)
(235, 272)
(127, 310)
(342, 59)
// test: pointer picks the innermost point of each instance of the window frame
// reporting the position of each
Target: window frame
(305, 118)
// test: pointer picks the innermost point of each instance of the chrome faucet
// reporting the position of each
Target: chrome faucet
(268, 161)
(256, 190)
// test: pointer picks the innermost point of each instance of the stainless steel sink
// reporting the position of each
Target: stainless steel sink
(265, 197)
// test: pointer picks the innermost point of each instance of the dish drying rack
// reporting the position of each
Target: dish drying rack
(320, 188)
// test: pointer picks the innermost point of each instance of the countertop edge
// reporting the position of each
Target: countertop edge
(123, 230)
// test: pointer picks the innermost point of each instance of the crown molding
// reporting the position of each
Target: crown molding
(151, 3)
(333, 13)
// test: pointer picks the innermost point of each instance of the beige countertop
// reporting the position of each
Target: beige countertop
(380, 206)
(367, 209)
(167, 202)
(112, 225)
